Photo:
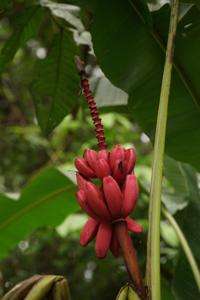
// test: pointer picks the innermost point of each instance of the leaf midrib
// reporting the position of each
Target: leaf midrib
(33, 205)
(179, 69)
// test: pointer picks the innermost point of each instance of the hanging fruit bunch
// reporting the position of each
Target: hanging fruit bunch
(110, 202)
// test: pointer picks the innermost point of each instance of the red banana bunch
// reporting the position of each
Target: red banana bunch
(113, 200)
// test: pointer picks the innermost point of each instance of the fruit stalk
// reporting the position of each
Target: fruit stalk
(91, 104)
(130, 258)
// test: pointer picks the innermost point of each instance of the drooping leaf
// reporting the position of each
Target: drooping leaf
(131, 54)
(107, 94)
(69, 13)
(46, 200)
(55, 88)
(27, 25)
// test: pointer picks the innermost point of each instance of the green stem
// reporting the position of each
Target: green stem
(153, 246)
(185, 246)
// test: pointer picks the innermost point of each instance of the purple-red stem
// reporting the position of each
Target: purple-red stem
(91, 104)
(130, 258)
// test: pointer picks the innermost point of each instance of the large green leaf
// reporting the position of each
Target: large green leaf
(175, 172)
(191, 2)
(131, 54)
(166, 292)
(26, 25)
(177, 196)
(183, 283)
(183, 178)
(88, 5)
(55, 89)
(46, 200)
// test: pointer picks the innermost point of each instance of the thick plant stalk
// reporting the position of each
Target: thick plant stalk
(185, 246)
(130, 257)
(153, 246)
